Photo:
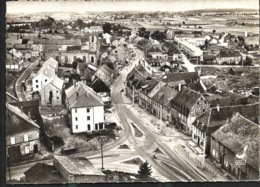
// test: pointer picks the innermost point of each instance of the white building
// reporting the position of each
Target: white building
(86, 108)
(47, 71)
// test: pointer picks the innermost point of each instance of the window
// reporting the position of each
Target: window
(37, 86)
(57, 91)
(88, 127)
(76, 110)
(96, 126)
(87, 109)
(25, 138)
(57, 97)
(93, 38)
(36, 81)
(76, 118)
(76, 127)
(88, 117)
(12, 140)
(92, 59)
(45, 80)
(198, 103)
(27, 149)
(100, 125)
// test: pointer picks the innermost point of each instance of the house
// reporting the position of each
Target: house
(25, 49)
(10, 42)
(218, 86)
(51, 175)
(13, 64)
(47, 71)
(22, 134)
(107, 37)
(229, 57)
(134, 81)
(105, 74)
(145, 95)
(78, 169)
(215, 117)
(161, 107)
(157, 53)
(29, 107)
(237, 71)
(102, 90)
(111, 62)
(51, 92)
(120, 54)
(235, 146)
(209, 57)
(188, 77)
(186, 106)
(190, 49)
(95, 29)
(86, 108)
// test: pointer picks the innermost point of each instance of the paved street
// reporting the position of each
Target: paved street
(18, 85)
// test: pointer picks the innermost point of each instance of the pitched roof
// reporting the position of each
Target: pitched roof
(228, 53)
(221, 85)
(82, 96)
(48, 68)
(186, 76)
(186, 97)
(241, 136)
(10, 60)
(35, 173)
(26, 104)
(148, 85)
(165, 95)
(105, 74)
(214, 117)
(17, 121)
(155, 49)
(77, 165)
(16, 53)
(99, 86)
(56, 81)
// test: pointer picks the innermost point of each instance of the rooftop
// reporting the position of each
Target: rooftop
(77, 165)
(241, 136)
(17, 121)
(80, 95)
(186, 76)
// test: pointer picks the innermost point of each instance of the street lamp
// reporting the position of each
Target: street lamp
(101, 150)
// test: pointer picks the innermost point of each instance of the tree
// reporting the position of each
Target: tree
(248, 61)
(206, 43)
(183, 22)
(214, 31)
(107, 28)
(195, 25)
(145, 170)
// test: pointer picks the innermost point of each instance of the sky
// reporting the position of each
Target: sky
(143, 5)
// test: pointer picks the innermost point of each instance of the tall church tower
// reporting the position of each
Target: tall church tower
(93, 49)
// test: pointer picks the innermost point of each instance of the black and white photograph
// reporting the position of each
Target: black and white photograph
(127, 91)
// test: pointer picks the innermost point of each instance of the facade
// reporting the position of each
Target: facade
(105, 74)
(14, 63)
(161, 107)
(156, 53)
(22, 135)
(78, 169)
(51, 92)
(120, 54)
(47, 71)
(86, 108)
(235, 145)
(214, 118)
(186, 106)
(228, 57)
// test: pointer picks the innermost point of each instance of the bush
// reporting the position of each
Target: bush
(57, 141)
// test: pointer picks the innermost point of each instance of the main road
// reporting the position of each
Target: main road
(126, 116)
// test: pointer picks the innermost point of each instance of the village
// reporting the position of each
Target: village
(92, 98)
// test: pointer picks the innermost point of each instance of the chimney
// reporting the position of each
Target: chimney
(179, 87)
(218, 107)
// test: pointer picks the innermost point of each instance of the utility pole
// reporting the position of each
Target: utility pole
(102, 162)
(9, 169)
(133, 95)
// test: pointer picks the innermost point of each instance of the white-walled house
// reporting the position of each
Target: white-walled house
(51, 93)
(47, 71)
(86, 108)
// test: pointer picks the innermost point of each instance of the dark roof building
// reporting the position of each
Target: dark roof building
(186, 76)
